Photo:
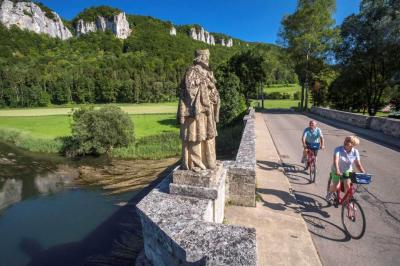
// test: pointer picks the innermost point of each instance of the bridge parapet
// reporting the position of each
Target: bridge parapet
(242, 174)
(186, 230)
(388, 126)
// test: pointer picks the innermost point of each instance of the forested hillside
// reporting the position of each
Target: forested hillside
(37, 70)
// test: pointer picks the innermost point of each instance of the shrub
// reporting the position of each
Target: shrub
(277, 95)
(99, 131)
(395, 115)
(296, 95)
(233, 103)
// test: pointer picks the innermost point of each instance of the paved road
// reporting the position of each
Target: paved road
(380, 200)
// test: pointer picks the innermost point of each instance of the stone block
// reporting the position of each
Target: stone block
(203, 178)
(240, 200)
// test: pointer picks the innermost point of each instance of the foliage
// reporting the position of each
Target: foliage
(157, 135)
(368, 56)
(395, 115)
(277, 95)
(296, 95)
(99, 131)
(27, 141)
(162, 145)
(395, 98)
(309, 36)
(232, 102)
(249, 66)
(37, 70)
(91, 14)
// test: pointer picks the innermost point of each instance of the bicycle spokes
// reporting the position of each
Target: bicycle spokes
(353, 219)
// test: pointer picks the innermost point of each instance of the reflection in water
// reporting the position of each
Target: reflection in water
(10, 192)
(55, 181)
(80, 226)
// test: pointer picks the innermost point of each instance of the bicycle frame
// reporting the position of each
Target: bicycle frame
(349, 193)
(310, 157)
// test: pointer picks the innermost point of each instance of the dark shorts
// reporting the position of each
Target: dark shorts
(315, 151)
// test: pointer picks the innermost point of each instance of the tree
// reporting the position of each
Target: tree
(249, 67)
(309, 35)
(99, 131)
(232, 101)
(369, 52)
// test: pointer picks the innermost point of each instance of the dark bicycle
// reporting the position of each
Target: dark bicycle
(353, 217)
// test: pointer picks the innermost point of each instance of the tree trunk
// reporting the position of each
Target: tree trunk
(262, 99)
(302, 98)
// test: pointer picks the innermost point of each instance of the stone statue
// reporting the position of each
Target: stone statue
(198, 113)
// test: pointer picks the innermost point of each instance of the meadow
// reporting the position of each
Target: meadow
(283, 88)
(142, 108)
(156, 135)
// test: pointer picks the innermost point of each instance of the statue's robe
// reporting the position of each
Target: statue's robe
(198, 113)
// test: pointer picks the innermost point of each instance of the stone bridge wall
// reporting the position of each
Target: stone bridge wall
(184, 230)
(241, 184)
(388, 126)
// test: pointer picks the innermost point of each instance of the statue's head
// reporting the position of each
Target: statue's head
(202, 56)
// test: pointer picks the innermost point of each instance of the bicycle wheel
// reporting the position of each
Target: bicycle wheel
(353, 219)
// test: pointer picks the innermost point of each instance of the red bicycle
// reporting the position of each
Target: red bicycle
(311, 160)
(353, 217)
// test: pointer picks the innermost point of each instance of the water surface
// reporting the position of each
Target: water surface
(46, 218)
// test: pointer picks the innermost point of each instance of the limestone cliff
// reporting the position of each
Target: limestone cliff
(202, 35)
(118, 24)
(29, 16)
(172, 31)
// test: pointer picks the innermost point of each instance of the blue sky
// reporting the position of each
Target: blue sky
(249, 20)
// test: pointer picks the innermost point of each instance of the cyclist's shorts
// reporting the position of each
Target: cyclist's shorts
(335, 178)
(312, 147)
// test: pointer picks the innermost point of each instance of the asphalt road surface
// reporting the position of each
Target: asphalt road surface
(380, 200)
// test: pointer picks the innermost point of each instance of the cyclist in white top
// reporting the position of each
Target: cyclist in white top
(343, 159)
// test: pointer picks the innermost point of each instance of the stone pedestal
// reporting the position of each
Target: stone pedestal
(205, 184)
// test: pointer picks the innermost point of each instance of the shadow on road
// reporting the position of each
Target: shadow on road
(325, 229)
(293, 173)
(267, 165)
(312, 203)
(287, 201)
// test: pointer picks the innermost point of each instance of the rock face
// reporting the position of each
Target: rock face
(202, 35)
(172, 31)
(29, 16)
(118, 24)
(228, 43)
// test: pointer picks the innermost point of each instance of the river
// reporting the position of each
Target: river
(48, 218)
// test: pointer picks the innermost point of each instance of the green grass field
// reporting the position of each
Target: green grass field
(290, 88)
(276, 104)
(50, 127)
(143, 108)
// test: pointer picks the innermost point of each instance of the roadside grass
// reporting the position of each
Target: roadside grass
(276, 104)
(283, 88)
(142, 108)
